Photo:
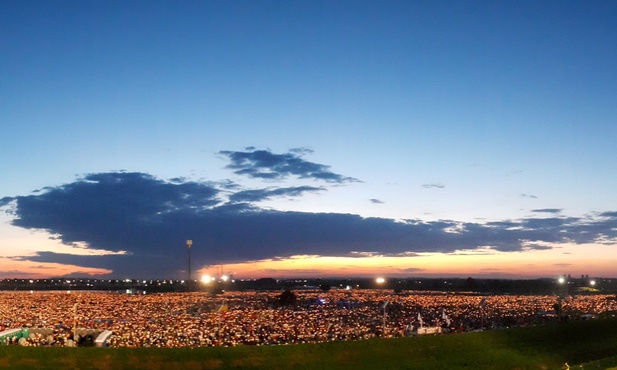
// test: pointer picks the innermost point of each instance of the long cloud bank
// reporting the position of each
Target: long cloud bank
(150, 219)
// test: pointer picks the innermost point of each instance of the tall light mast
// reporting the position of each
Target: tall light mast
(189, 243)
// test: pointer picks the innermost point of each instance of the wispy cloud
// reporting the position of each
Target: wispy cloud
(433, 186)
(258, 195)
(547, 210)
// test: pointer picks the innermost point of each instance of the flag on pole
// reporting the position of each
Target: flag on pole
(420, 319)
(445, 317)
(223, 309)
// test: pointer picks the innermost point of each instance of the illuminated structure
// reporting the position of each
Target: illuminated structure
(189, 243)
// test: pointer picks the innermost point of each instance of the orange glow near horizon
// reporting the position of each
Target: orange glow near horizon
(38, 270)
(593, 260)
(484, 263)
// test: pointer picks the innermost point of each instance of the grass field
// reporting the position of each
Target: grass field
(545, 347)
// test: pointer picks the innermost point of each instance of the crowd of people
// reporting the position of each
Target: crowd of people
(261, 318)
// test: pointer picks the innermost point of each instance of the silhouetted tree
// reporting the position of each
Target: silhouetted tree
(471, 283)
(287, 298)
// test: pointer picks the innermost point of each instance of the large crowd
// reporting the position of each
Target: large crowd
(259, 318)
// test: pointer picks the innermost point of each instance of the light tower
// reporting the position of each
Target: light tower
(189, 243)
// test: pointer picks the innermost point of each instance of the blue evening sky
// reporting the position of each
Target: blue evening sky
(465, 111)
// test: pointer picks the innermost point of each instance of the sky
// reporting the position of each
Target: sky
(308, 138)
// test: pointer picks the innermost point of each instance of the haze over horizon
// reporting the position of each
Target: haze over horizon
(307, 139)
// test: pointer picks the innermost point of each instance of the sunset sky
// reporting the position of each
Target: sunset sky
(308, 138)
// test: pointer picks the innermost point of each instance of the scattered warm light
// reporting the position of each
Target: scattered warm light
(205, 279)
(224, 277)
(561, 280)
(380, 280)
(592, 282)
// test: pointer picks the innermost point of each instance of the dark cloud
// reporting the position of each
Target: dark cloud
(375, 201)
(110, 203)
(529, 196)
(298, 151)
(227, 185)
(538, 247)
(258, 195)
(547, 210)
(151, 219)
(263, 164)
(411, 269)
(5, 201)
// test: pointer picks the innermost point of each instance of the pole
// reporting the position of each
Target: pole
(189, 243)
(384, 318)
(75, 323)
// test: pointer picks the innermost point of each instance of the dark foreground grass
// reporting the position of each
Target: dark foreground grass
(545, 347)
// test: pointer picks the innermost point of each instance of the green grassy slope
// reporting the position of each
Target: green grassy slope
(545, 347)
